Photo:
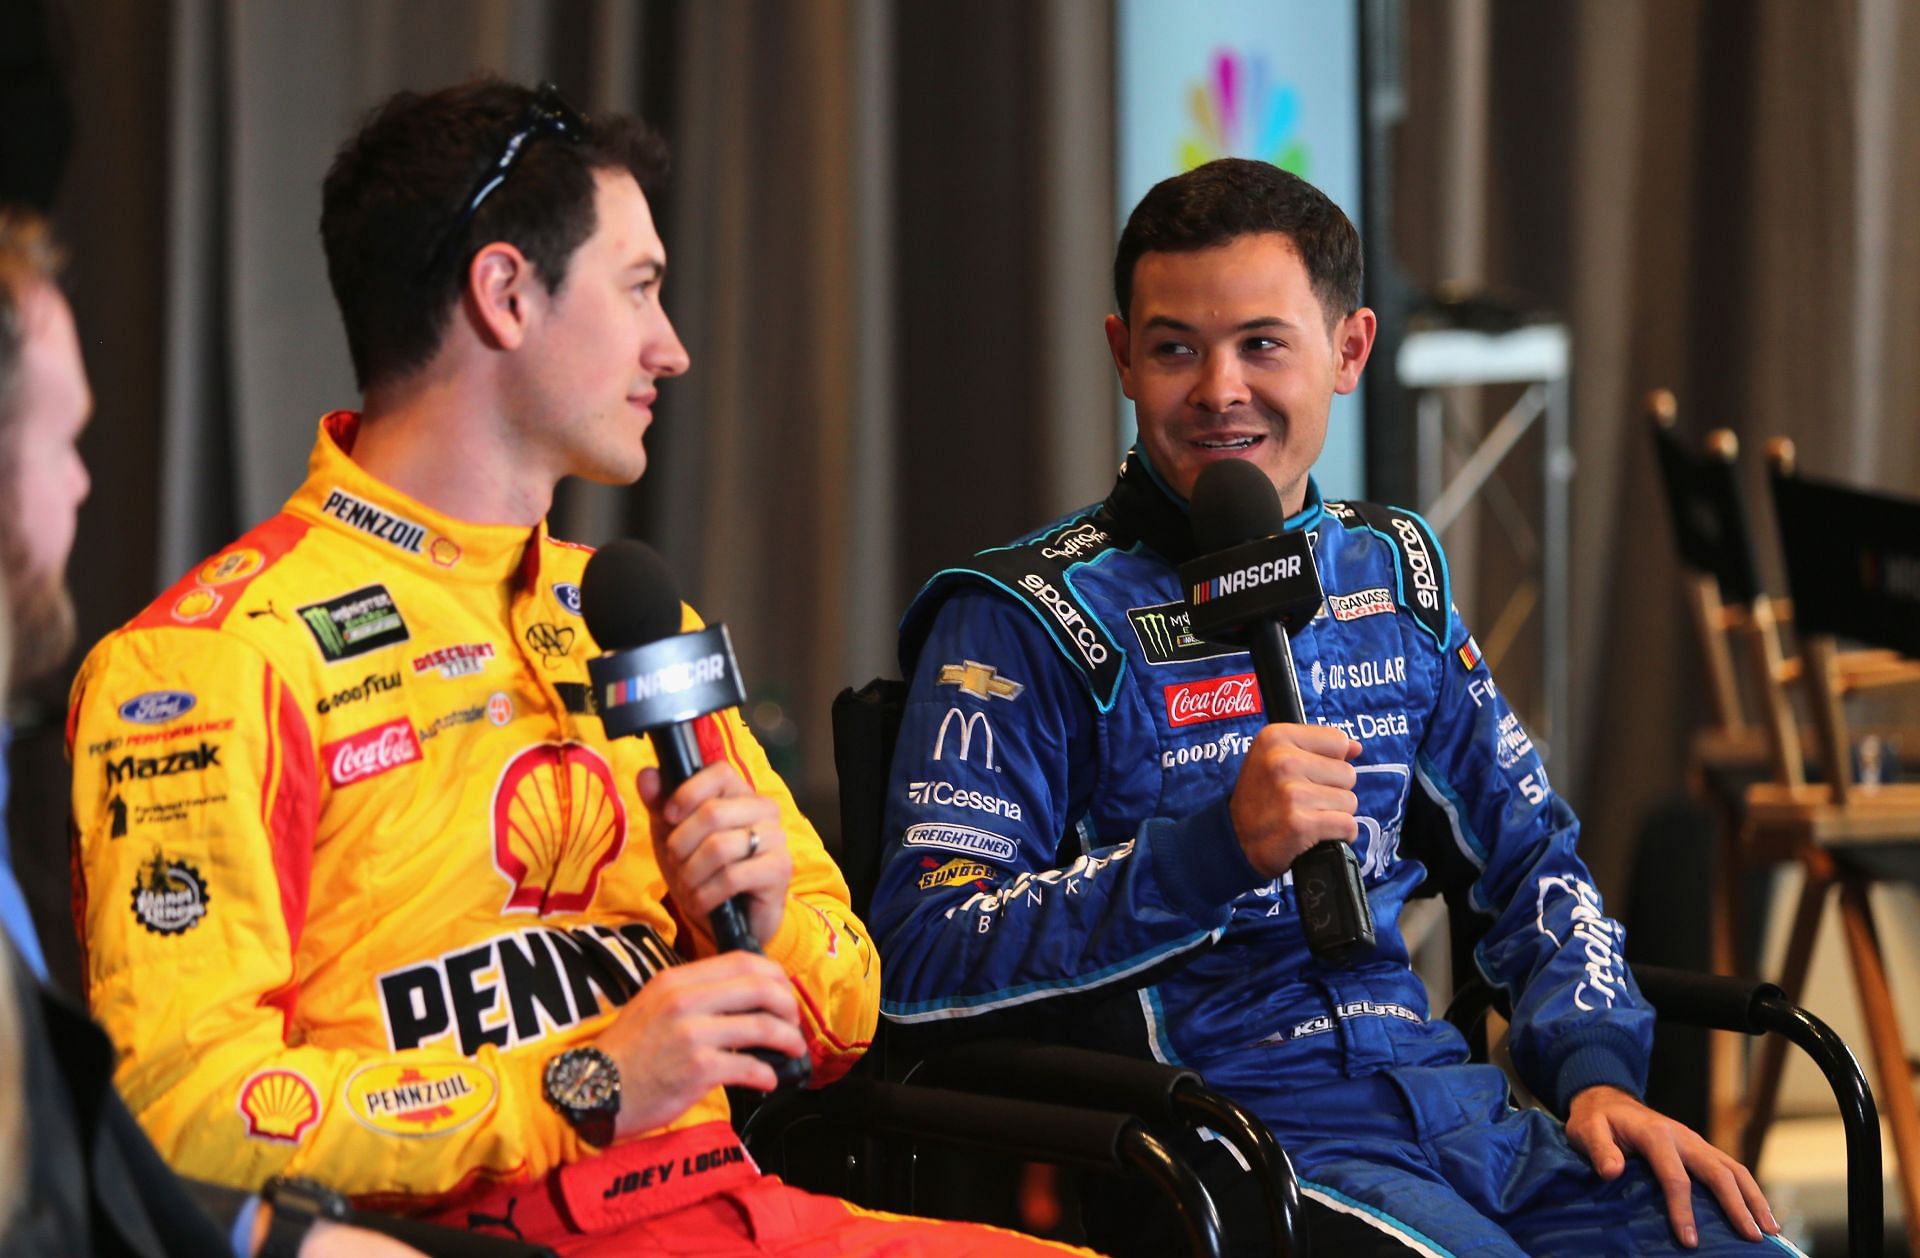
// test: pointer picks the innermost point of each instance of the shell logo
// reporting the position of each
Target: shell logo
(235, 565)
(557, 822)
(445, 551)
(420, 1098)
(279, 1105)
(196, 604)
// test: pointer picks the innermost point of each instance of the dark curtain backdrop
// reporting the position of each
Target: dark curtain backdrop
(890, 227)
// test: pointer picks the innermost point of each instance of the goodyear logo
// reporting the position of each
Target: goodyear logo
(420, 1098)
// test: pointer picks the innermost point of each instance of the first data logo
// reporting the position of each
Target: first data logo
(157, 707)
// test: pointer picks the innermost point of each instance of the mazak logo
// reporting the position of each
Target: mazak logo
(355, 513)
(1085, 640)
(1599, 937)
(969, 724)
(1377, 601)
(558, 821)
(1165, 632)
(1073, 543)
(157, 707)
(370, 753)
(1237, 108)
(1223, 698)
(1426, 587)
(139, 768)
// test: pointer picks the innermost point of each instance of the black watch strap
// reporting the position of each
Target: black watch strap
(296, 1203)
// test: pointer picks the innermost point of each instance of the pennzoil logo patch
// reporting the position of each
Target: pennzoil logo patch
(420, 1098)
(170, 897)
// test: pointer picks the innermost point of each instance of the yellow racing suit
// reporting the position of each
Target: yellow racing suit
(354, 860)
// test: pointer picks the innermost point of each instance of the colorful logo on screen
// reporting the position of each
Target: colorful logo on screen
(1239, 110)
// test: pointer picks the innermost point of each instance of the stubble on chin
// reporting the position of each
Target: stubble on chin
(43, 625)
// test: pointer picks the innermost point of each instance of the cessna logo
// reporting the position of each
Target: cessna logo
(1426, 587)
(1085, 640)
(1075, 542)
(205, 756)
(969, 723)
(947, 795)
(982, 681)
(1165, 631)
(371, 520)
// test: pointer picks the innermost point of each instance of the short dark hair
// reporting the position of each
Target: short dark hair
(396, 188)
(1233, 197)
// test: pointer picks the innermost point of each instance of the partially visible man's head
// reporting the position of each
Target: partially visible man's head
(44, 405)
(397, 251)
(1231, 197)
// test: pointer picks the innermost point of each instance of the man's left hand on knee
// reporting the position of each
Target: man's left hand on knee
(1606, 1124)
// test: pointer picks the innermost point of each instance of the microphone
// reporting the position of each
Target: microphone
(669, 686)
(1254, 584)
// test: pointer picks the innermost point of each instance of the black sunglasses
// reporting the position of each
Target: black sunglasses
(546, 114)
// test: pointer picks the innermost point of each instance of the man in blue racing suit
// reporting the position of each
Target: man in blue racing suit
(1091, 822)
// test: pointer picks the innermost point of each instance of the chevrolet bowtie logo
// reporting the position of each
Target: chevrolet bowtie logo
(982, 681)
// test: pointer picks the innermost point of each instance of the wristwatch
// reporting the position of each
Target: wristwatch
(583, 1084)
(297, 1202)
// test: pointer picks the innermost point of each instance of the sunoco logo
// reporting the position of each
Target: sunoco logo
(1426, 587)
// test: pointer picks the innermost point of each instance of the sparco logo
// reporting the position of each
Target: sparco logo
(1228, 746)
(374, 522)
(1075, 542)
(1374, 602)
(1193, 702)
(1426, 587)
(205, 756)
(1091, 649)
(370, 753)
(968, 722)
(371, 685)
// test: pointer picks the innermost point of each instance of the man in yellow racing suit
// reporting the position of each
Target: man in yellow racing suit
(357, 867)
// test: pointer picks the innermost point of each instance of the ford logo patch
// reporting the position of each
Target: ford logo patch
(157, 707)
(569, 595)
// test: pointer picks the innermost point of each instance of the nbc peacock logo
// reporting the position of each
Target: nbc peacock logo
(1238, 109)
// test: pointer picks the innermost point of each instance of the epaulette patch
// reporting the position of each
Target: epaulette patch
(205, 597)
(1420, 566)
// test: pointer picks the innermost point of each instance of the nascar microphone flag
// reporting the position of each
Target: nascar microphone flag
(673, 679)
(1268, 578)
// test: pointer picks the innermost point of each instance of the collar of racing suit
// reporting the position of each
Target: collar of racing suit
(1142, 508)
(341, 495)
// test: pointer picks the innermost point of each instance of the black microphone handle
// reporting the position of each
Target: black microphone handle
(678, 749)
(1332, 896)
(1273, 666)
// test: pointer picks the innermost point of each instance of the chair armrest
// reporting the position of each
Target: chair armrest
(1005, 1127)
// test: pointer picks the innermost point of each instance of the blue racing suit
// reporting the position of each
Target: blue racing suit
(1060, 853)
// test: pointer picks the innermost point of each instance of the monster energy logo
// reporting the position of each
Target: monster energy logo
(354, 624)
(1166, 635)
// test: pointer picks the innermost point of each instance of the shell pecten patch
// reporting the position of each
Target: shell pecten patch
(279, 1105)
(413, 1098)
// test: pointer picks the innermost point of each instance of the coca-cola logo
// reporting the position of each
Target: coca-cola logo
(1192, 702)
(371, 752)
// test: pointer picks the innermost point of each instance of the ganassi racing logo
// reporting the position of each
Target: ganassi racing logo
(1600, 936)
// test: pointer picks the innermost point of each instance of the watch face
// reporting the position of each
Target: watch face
(583, 1079)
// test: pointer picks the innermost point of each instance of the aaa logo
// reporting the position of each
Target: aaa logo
(1238, 109)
